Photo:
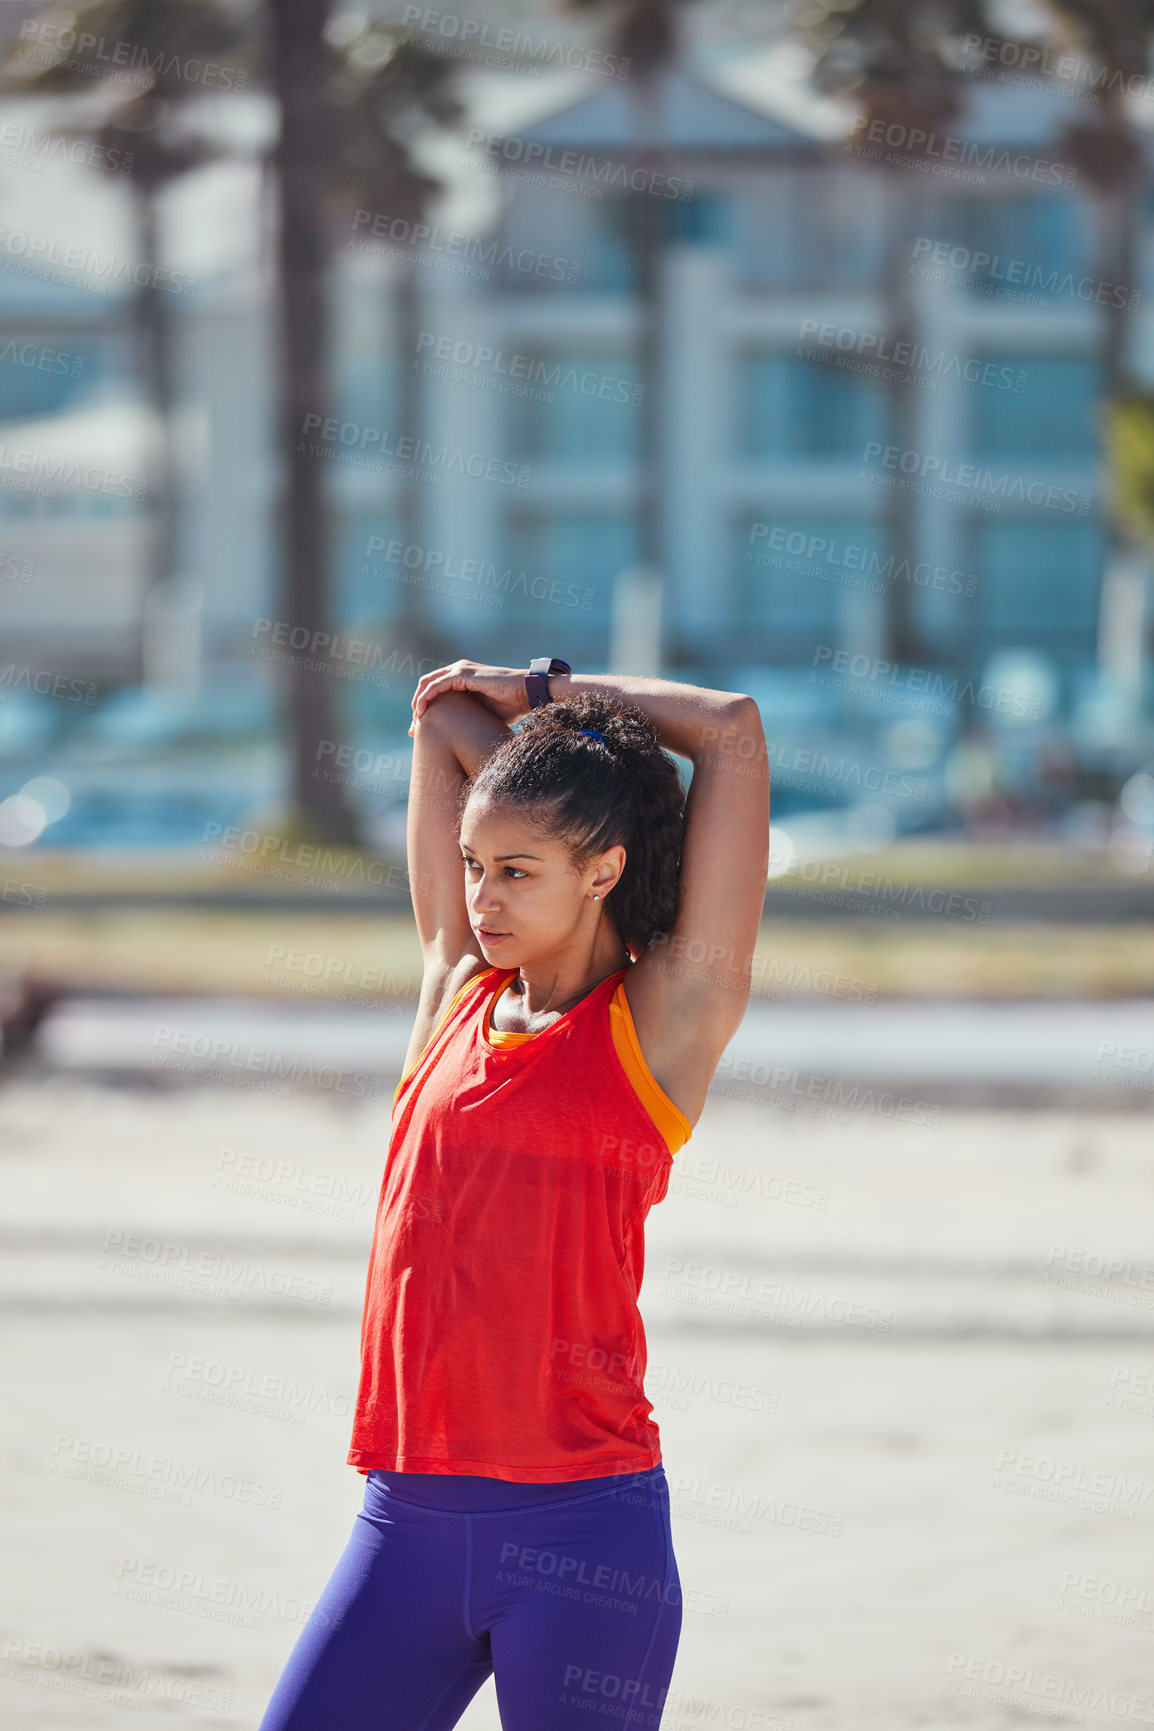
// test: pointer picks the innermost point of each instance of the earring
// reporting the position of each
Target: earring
(596, 898)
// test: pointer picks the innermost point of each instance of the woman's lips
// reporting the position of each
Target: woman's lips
(490, 937)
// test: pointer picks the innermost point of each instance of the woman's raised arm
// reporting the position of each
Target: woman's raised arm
(689, 993)
(450, 742)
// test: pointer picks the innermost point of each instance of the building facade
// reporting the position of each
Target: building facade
(873, 377)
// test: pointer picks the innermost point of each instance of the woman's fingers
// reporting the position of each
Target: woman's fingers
(429, 681)
(448, 681)
(439, 672)
(501, 688)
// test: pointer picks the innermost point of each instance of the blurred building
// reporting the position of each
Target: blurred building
(802, 284)
(877, 377)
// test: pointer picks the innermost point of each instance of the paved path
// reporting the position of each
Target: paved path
(1108, 1045)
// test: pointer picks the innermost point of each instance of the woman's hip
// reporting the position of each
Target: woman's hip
(456, 1494)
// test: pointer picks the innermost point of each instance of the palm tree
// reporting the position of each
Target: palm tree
(645, 33)
(1104, 145)
(156, 139)
(893, 58)
(322, 152)
(161, 153)
(891, 55)
(304, 158)
(389, 89)
(348, 117)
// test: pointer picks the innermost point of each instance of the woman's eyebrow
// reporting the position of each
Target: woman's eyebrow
(500, 858)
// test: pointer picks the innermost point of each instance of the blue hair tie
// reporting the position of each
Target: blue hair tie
(593, 734)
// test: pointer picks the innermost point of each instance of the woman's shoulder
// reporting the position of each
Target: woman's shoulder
(452, 987)
(442, 989)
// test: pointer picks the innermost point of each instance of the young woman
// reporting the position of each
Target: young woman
(587, 932)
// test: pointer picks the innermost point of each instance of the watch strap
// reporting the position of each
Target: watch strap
(537, 679)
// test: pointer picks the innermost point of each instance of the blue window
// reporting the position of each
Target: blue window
(365, 391)
(68, 503)
(579, 404)
(1020, 246)
(600, 247)
(794, 575)
(574, 243)
(1052, 415)
(561, 242)
(608, 254)
(801, 228)
(841, 227)
(562, 567)
(1038, 586)
(93, 505)
(706, 219)
(796, 408)
(369, 582)
(45, 378)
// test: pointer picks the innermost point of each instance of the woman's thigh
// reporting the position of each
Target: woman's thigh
(582, 1606)
(386, 1648)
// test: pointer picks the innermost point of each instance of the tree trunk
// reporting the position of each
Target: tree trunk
(412, 634)
(154, 335)
(903, 640)
(647, 244)
(1119, 214)
(303, 157)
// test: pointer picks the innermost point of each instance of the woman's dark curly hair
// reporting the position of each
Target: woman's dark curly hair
(594, 796)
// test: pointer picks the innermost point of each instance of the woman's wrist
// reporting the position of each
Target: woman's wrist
(689, 719)
(693, 721)
(535, 681)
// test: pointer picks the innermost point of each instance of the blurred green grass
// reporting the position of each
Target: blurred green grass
(930, 860)
(323, 947)
(376, 957)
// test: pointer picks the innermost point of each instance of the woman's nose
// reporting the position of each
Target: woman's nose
(485, 895)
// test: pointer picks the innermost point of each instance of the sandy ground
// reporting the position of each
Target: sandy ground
(912, 1474)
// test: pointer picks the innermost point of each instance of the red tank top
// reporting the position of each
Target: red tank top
(501, 1334)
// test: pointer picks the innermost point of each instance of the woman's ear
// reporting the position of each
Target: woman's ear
(614, 858)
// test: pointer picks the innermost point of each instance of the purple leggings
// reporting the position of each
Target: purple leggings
(567, 1594)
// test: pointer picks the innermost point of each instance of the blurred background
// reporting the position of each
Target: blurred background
(800, 349)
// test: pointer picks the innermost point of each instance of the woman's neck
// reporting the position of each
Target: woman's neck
(522, 989)
(546, 989)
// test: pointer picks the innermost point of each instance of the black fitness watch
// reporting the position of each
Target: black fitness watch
(537, 679)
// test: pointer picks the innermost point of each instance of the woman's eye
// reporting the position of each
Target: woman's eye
(510, 871)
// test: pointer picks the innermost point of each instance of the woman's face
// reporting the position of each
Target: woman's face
(524, 895)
